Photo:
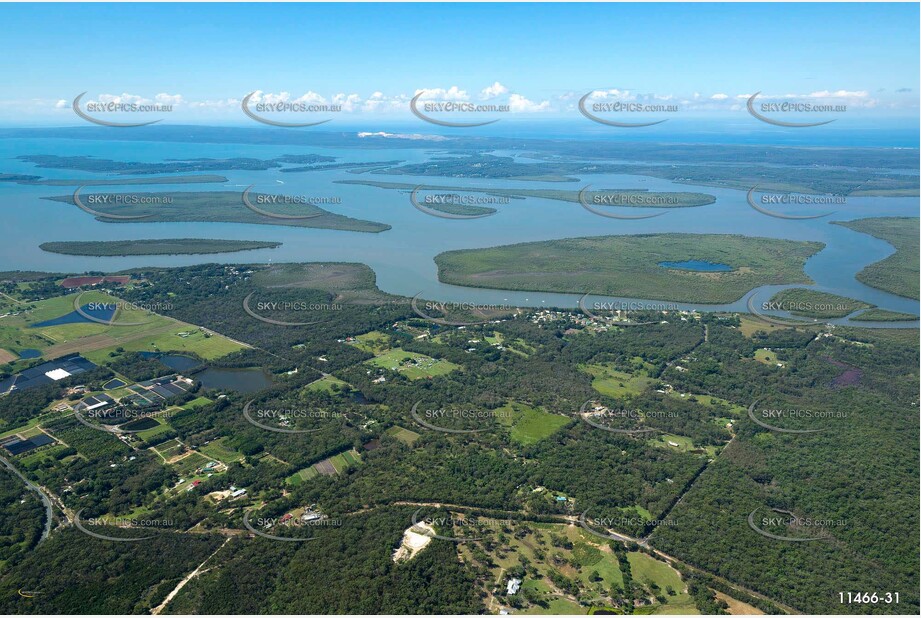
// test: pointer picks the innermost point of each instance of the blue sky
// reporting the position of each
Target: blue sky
(536, 58)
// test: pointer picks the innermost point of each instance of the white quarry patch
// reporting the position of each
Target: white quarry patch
(415, 539)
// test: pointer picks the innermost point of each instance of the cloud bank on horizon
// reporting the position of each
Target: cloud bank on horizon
(529, 61)
(380, 104)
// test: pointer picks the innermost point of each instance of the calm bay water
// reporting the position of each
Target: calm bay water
(402, 256)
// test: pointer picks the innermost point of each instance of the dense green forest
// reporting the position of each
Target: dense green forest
(684, 485)
(898, 273)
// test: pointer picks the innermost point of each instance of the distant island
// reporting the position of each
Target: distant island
(158, 180)
(284, 163)
(216, 206)
(816, 304)
(699, 268)
(623, 198)
(898, 273)
(707, 166)
(167, 246)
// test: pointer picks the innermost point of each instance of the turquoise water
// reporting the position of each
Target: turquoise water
(697, 266)
(402, 257)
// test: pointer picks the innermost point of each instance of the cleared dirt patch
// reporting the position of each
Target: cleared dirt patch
(738, 608)
(326, 467)
(415, 539)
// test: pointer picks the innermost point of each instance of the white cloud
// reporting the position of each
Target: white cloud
(518, 103)
(214, 104)
(719, 96)
(348, 102)
(491, 92)
(61, 104)
(451, 94)
(379, 102)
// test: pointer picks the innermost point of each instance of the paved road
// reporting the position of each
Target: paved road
(49, 508)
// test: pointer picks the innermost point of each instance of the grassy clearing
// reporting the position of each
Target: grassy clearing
(679, 443)
(644, 568)
(614, 383)
(749, 326)
(218, 449)
(196, 403)
(147, 434)
(336, 464)
(149, 332)
(709, 401)
(412, 364)
(302, 475)
(187, 465)
(169, 449)
(577, 556)
(345, 460)
(768, 357)
(529, 425)
(329, 384)
(181, 338)
(405, 436)
(374, 342)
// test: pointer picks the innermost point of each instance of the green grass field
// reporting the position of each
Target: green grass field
(405, 436)
(29, 428)
(218, 449)
(766, 356)
(145, 331)
(206, 345)
(302, 475)
(589, 561)
(340, 463)
(684, 443)
(187, 465)
(614, 383)
(327, 384)
(412, 364)
(374, 342)
(33, 457)
(196, 403)
(147, 434)
(644, 568)
(345, 460)
(709, 401)
(529, 425)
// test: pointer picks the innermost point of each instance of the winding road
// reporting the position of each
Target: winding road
(49, 507)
